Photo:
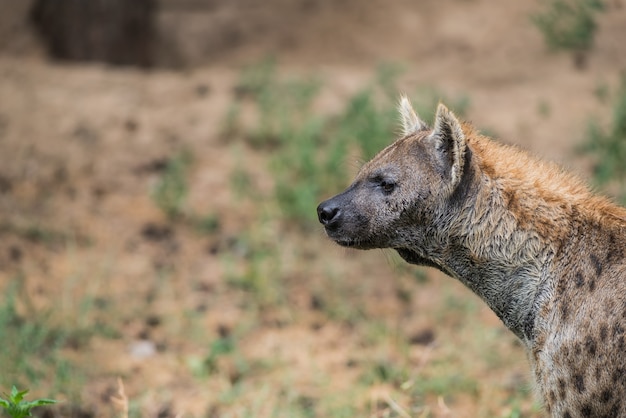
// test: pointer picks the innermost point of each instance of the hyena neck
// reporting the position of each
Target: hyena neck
(511, 222)
(505, 226)
(504, 264)
(480, 241)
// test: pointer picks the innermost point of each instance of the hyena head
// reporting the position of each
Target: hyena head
(398, 196)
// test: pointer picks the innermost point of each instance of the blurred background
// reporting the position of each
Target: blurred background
(160, 166)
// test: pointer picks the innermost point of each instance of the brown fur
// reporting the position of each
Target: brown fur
(547, 255)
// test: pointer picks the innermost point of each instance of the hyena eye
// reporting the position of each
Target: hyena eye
(387, 186)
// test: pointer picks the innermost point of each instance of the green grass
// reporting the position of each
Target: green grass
(255, 267)
(32, 354)
(171, 190)
(608, 147)
(241, 181)
(385, 371)
(40, 340)
(444, 384)
(569, 25)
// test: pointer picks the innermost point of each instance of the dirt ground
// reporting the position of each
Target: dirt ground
(83, 145)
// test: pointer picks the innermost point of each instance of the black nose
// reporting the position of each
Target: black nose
(326, 212)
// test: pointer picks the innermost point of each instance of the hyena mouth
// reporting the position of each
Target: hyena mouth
(341, 240)
(346, 242)
(358, 244)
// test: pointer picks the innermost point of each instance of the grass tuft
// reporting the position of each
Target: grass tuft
(172, 189)
(608, 146)
(569, 25)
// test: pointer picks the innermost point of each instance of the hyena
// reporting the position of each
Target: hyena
(546, 255)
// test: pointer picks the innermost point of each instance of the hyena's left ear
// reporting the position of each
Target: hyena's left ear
(411, 123)
(449, 142)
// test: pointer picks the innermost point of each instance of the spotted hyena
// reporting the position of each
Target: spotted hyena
(546, 255)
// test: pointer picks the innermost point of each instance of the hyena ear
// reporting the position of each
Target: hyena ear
(450, 143)
(411, 123)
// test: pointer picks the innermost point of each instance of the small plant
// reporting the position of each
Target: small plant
(254, 267)
(241, 181)
(17, 407)
(208, 224)
(281, 105)
(221, 346)
(385, 371)
(569, 25)
(172, 188)
(544, 109)
(609, 147)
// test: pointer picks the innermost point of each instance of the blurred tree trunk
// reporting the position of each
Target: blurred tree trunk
(120, 32)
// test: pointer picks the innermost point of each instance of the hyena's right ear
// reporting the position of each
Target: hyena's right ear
(450, 143)
(411, 123)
